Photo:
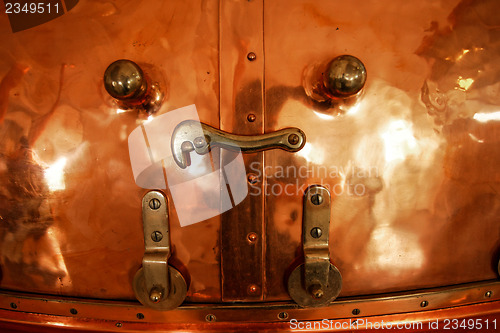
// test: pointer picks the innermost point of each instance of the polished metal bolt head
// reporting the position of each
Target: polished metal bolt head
(124, 80)
(344, 76)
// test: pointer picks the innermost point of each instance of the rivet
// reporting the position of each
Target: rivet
(317, 199)
(156, 236)
(356, 312)
(316, 232)
(13, 305)
(252, 179)
(118, 324)
(210, 318)
(488, 294)
(154, 204)
(252, 289)
(140, 316)
(251, 117)
(73, 311)
(252, 237)
(251, 56)
(424, 304)
(293, 139)
(283, 315)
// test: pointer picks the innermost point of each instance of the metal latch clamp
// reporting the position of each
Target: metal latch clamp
(157, 284)
(316, 282)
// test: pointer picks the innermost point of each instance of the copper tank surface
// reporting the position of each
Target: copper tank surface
(410, 159)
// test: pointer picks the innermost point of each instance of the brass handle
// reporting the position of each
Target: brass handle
(191, 135)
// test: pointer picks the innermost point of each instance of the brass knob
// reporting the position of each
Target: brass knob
(345, 76)
(124, 80)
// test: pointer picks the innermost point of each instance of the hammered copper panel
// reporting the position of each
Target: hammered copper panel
(422, 140)
(76, 229)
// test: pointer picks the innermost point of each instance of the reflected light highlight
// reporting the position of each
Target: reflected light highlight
(56, 259)
(354, 109)
(395, 251)
(399, 141)
(464, 84)
(460, 56)
(485, 117)
(323, 116)
(54, 175)
(473, 137)
(316, 155)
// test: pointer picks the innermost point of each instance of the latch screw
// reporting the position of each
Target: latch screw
(154, 204)
(317, 199)
(156, 236)
(316, 232)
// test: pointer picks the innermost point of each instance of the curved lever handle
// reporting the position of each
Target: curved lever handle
(191, 135)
